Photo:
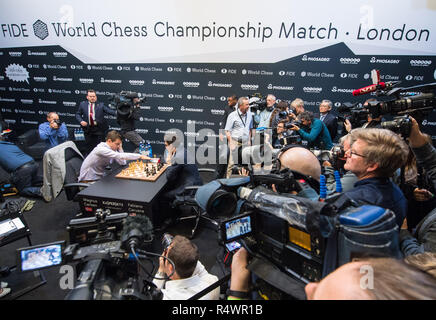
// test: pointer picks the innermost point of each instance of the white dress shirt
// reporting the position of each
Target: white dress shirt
(93, 168)
(183, 289)
(239, 125)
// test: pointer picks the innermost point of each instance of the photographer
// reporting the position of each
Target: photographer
(416, 274)
(188, 276)
(263, 120)
(317, 134)
(297, 107)
(126, 119)
(371, 123)
(373, 157)
(424, 239)
(53, 132)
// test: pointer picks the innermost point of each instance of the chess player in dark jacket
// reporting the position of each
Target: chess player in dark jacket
(329, 118)
(90, 115)
(180, 173)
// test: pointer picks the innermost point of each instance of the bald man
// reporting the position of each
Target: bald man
(301, 160)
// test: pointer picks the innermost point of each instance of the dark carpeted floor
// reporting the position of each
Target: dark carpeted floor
(48, 221)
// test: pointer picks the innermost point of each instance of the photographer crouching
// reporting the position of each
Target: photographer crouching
(188, 276)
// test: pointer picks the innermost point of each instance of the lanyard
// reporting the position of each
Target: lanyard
(241, 117)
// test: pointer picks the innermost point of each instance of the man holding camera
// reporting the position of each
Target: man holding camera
(374, 156)
(265, 115)
(126, 119)
(187, 276)
(90, 115)
(53, 132)
(318, 136)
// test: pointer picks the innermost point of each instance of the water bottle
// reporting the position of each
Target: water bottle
(81, 134)
(148, 151)
(141, 148)
(76, 135)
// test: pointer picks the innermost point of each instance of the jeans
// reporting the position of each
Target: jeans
(25, 178)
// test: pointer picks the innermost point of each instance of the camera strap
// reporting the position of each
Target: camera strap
(211, 287)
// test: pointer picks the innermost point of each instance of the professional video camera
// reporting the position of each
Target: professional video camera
(353, 112)
(417, 101)
(294, 240)
(400, 125)
(257, 102)
(107, 250)
(124, 104)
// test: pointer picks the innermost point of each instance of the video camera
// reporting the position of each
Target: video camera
(294, 240)
(106, 249)
(124, 103)
(257, 102)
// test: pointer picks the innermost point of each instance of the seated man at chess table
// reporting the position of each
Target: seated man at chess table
(104, 154)
(180, 174)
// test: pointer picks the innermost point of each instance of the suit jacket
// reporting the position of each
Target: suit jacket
(100, 109)
(331, 122)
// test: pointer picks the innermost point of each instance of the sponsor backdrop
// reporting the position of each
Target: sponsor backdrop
(186, 57)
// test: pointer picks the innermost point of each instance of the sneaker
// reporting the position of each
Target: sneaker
(4, 292)
(3, 285)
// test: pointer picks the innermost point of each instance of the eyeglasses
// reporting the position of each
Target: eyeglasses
(351, 152)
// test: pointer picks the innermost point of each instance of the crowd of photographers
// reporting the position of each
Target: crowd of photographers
(377, 166)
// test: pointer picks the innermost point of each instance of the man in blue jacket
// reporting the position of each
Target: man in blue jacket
(90, 115)
(317, 134)
(22, 168)
(53, 132)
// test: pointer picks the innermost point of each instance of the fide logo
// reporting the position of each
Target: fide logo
(40, 29)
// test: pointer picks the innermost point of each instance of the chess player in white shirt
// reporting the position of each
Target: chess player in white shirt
(104, 154)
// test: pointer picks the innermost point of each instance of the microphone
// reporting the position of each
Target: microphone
(136, 231)
(375, 87)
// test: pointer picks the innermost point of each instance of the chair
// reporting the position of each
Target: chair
(31, 144)
(187, 199)
(73, 163)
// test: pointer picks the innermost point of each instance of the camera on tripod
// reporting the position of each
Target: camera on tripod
(125, 103)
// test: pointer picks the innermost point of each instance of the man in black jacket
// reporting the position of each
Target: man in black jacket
(329, 119)
(90, 115)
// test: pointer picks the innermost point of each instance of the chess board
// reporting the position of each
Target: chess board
(140, 170)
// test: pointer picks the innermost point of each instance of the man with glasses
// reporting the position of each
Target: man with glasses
(374, 156)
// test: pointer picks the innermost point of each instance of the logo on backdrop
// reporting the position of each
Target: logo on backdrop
(40, 29)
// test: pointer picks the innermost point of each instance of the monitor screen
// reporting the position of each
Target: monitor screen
(238, 227)
(39, 257)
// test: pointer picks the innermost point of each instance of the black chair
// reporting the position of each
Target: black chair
(31, 144)
(186, 200)
(73, 162)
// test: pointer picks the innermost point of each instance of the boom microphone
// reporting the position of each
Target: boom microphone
(375, 87)
(136, 231)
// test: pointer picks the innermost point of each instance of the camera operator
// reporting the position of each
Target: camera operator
(188, 276)
(374, 156)
(280, 131)
(317, 134)
(127, 124)
(371, 123)
(53, 132)
(416, 274)
(263, 120)
(330, 120)
(224, 152)
(238, 129)
(424, 239)
(90, 115)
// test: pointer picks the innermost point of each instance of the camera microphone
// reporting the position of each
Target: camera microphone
(136, 231)
(375, 87)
